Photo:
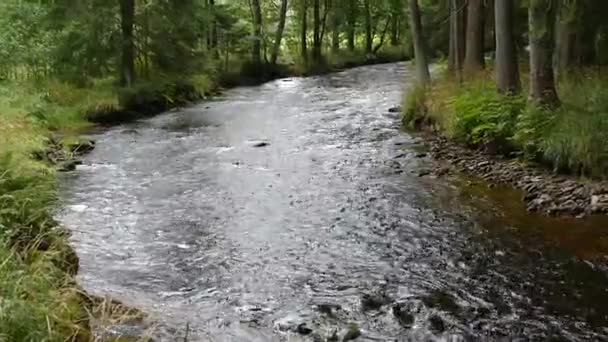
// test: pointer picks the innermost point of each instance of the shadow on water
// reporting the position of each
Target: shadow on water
(294, 211)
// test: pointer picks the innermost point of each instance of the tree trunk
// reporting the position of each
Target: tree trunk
(213, 26)
(457, 44)
(352, 23)
(303, 31)
(566, 36)
(422, 67)
(394, 30)
(542, 27)
(507, 70)
(474, 56)
(335, 30)
(316, 36)
(368, 28)
(279, 33)
(256, 48)
(127, 22)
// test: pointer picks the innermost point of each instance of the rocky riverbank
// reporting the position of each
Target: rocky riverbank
(543, 191)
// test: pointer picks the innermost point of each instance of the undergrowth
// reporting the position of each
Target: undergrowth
(570, 139)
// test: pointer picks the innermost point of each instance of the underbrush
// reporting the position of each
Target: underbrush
(570, 139)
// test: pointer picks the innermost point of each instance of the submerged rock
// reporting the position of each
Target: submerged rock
(437, 324)
(403, 315)
(373, 301)
(353, 333)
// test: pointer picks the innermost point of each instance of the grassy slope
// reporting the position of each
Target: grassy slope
(568, 139)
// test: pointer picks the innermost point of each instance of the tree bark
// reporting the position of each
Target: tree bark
(127, 23)
(352, 23)
(256, 48)
(507, 70)
(368, 27)
(394, 30)
(474, 56)
(316, 36)
(279, 34)
(542, 20)
(335, 30)
(422, 67)
(457, 44)
(303, 31)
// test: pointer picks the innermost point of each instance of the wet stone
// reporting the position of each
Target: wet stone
(373, 301)
(395, 109)
(437, 324)
(261, 144)
(302, 329)
(352, 334)
(403, 315)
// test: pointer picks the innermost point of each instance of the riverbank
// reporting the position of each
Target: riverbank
(552, 156)
(39, 129)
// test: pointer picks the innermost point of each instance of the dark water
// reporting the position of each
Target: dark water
(327, 225)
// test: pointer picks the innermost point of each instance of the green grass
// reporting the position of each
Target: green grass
(570, 139)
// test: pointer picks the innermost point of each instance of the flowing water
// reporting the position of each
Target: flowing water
(326, 227)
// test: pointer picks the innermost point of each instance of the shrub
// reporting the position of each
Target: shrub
(482, 117)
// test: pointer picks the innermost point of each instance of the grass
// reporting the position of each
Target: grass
(39, 298)
(568, 139)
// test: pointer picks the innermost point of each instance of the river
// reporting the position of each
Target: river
(295, 211)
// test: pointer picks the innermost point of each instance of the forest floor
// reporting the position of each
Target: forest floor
(39, 128)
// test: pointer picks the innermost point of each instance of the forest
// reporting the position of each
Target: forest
(519, 78)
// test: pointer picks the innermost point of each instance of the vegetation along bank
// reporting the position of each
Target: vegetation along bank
(68, 65)
(522, 98)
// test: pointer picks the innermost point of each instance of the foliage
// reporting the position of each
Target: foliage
(482, 116)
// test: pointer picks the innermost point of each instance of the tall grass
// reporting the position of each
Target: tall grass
(570, 139)
(38, 299)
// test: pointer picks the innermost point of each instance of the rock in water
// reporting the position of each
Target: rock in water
(353, 333)
(303, 329)
(261, 144)
(395, 109)
(403, 316)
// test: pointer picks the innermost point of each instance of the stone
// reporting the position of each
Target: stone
(69, 166)
(373, 301)
(437, 324)
(403, 316)
(599, 203)
(353, 333)
(395, 109)
(302, 329)
(261, 144)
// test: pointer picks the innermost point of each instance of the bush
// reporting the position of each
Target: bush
(482, 117)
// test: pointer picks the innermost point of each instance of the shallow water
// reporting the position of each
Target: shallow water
(183, 217)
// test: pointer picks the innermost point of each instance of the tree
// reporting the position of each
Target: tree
(303, 31)
(279, 33)
(507, 70)
(422, 67)
(457, 43)
(351, 20)
(474, 55)
(541, 21)
(316, 36)
(127, 22)
(368, 27)
(256, 50)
